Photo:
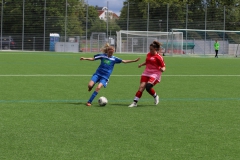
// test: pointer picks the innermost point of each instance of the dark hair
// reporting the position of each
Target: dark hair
(156, 45)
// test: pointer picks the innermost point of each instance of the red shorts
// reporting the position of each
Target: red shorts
(151, 80)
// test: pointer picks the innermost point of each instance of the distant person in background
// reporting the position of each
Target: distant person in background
(216, 47)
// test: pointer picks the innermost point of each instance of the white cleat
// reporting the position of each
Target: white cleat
(156, 100)
(134, 104)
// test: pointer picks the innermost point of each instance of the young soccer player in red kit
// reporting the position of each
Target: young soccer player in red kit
(152, 74)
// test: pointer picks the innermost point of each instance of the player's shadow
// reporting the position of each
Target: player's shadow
(83, 104)
(117, 104)
(108, 105)
(77, 103)
(126, 105)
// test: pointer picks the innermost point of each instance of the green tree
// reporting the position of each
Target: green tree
(113, 27)
(34, 16)
(216, 13)
(56, 16)
(92, 14)
(97, 25)
(138, 14)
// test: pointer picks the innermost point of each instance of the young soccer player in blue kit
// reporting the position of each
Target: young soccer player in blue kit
(102, 74)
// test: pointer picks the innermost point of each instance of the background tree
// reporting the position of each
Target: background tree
(138, 13)
(97, 25)
(56, 16)
(34, 16)
(113, 27)
(92, 18)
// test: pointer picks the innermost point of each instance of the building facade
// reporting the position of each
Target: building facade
(104, 13)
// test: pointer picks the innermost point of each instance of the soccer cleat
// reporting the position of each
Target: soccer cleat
(88, 104)
(156, 99)
(134, 104)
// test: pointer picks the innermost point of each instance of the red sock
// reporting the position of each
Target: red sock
(152, 92)
(139, 94)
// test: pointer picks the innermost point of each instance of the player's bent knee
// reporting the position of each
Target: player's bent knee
(98, 89)
(148, 86)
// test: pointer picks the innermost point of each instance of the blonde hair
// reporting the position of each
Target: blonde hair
(106, 48)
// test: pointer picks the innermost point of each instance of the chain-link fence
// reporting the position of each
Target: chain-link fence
(28, 25)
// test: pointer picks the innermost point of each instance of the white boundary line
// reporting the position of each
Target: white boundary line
(116, 54)
(75, 75)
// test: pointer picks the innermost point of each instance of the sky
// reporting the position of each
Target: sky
(113, 5)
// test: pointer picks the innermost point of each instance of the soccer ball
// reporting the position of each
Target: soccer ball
(102, 101)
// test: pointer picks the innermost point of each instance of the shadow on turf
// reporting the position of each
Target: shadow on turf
(126, 105)
(84, 104)
(96, 105)
(77, 103)
(108, 105)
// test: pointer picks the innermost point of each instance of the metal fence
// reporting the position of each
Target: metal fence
(27, 26)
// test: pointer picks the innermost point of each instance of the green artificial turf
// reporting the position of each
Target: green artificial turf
(43, 113)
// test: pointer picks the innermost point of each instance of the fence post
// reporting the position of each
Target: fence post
(9, 42)
(66, 9)
(205, 29)
(23, 25)
(1, 23)
(86, 27)
(91, 43)
(107, 20)
(210, 46)
(166, 50)
(33, 43)
(186, 27)
(147, 24)
(44, 32)
(127, 24)
(224, 21)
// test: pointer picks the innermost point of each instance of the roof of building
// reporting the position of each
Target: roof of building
(115, 16)
(100, 12)
(99, 8)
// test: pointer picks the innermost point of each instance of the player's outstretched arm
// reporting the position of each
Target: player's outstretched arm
(140, 65)
(89, 59)
(130, 61)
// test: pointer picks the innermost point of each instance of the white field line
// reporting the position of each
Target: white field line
(82, 75)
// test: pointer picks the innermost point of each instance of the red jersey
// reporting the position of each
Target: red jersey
(153, 65)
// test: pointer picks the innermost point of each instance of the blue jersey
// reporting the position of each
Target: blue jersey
(107, 64)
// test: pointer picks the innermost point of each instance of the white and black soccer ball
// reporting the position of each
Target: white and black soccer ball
(102, 101)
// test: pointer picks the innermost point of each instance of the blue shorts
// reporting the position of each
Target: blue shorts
(98, 79)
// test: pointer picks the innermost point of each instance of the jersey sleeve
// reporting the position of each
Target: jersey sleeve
(161, 62)
(98, 56)
(118, 60)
